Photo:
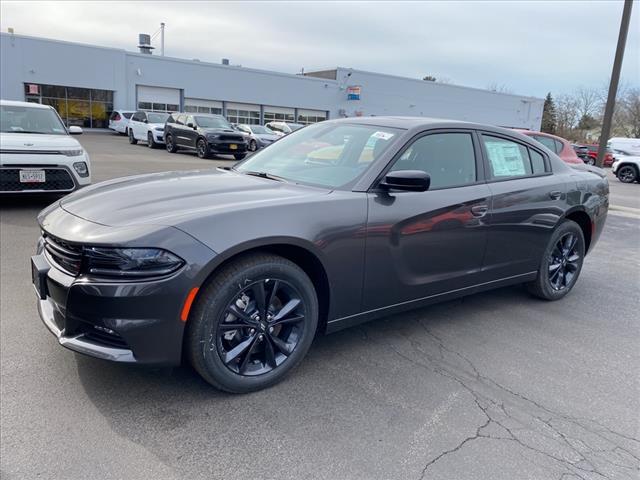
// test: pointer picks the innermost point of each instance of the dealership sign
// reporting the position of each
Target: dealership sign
(353, 92)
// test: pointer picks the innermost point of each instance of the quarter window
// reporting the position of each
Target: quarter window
(448, 158)
(506, 158)
(537, 162)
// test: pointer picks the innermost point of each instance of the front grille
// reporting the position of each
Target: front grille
(64, 255)
(232, 138)
(57, 179)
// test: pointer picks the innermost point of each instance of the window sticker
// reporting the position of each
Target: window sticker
(382, 135)
(506, 159)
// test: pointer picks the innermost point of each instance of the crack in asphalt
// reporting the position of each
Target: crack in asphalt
(577, 447)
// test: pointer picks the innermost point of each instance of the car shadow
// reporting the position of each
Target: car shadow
(144, 404)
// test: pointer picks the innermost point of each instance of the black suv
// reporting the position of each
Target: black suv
(206, 134)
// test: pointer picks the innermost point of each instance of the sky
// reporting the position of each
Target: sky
(528, 47)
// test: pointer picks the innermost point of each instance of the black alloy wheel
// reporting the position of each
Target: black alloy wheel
(561, 262)
(252, 323)
(132, 139)
(564, 262)
(170, 146)
(627, 174)
(202, 149)
(261, 328)
(150, 142)
(253, 146)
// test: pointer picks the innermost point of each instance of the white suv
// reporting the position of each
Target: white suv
(37, 154)
(147, 127)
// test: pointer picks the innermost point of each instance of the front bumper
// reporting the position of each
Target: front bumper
(123, 321)
(60, 176)
(226, 147)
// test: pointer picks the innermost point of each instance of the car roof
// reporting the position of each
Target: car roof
(408, 123)
(13, 103)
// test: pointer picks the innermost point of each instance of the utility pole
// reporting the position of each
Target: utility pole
(162, 39)
(615, 79)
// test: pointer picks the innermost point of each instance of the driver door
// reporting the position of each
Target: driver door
(421, 244)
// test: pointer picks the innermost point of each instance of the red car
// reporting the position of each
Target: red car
(593, 154)
(556, 144)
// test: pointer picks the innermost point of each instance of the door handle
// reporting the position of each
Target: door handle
(479, 210)
(555, 195)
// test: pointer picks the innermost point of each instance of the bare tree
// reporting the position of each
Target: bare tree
(588, 102)
(567, 115)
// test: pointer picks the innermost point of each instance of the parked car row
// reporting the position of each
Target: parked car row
(589, 153)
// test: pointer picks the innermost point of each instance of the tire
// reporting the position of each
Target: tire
(170, 145)
(591, 161)
(561, 263)
(151, 143)
(627, 174)
(202, 148)
(253, 146)
(239, 156)
(132, 139)
(254, 360)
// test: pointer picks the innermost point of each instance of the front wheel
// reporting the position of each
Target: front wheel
(202, 148)
(591, 161)
(132, 139)
(253, 146)
(170, 144)
(561, 263)
(239, 156)
(150, 141)
(252, 323)
(627, 174)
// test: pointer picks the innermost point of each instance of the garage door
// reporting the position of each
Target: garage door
(280, 114)
(198, 105)
(243, 113)
(158, 99)
(311, 116)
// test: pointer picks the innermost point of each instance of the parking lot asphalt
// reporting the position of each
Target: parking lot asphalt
(497, 385)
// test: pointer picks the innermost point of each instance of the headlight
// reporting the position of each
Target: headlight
(212, 136)
(73, 153)
(81, 168)
(130, 262)
(159, 129)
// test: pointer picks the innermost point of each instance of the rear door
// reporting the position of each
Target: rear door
(180, 131)
(421, 244)
(527, 201)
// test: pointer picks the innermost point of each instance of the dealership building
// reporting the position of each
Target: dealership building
(85, 83)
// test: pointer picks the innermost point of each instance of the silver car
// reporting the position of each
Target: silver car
(258, 136)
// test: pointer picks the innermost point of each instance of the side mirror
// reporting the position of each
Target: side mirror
(190, 125)
(75, 130)
(408, 180)
(145, 121)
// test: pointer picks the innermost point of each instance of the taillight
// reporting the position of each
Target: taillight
(117, 117)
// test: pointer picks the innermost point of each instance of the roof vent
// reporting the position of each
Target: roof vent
(225, 61)
(144, 43)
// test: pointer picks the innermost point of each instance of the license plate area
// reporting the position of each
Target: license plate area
(32, 176)
(39, 270)
(233, 146)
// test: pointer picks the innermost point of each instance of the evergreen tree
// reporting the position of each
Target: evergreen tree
(549, 115)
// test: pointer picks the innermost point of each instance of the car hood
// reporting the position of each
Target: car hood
(154, 125)
(171, 198)
(36, 141)
(220, 130)
(266, 136)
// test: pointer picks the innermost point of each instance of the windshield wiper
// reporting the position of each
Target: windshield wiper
(25, 131)
(263, 175)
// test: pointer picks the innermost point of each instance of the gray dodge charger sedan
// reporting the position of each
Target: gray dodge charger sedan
(236, 270)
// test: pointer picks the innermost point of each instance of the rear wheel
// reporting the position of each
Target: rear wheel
(132, 139)
(561, 263)
(202, 148)
(150, 141)
(170, 144)
(627, 174)
(252, 323)
(591, 161)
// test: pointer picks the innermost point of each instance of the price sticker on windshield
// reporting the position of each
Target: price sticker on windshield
(382, 135)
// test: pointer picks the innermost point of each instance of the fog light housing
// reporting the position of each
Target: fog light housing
(81, 168)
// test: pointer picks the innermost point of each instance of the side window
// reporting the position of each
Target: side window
(190, 120)
(136, 117)
(127, 114)
(547, 142)
(537, 162)
(506, 158)
(448, 158)
(559, 146)
(180, 119)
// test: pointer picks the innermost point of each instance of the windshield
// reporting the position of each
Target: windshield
(260, 130)
(326, 155)
(213, 122)
(19, 119)
(157, 117)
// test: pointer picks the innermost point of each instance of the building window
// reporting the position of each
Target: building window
(83, 107)
(278, 117)
(158, 107)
